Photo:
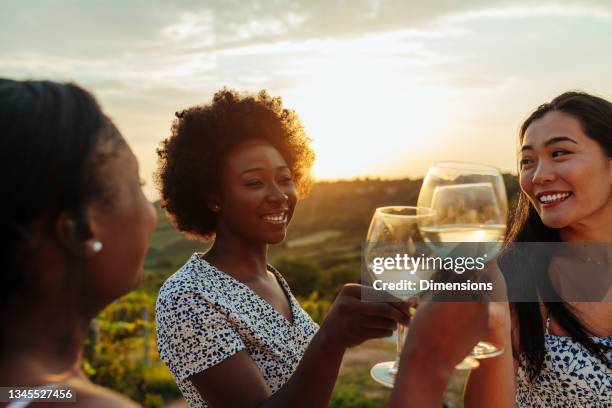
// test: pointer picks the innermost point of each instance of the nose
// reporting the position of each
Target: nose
(276, 195)
(543, 174)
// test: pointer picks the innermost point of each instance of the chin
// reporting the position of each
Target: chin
(554, 222)
(274, 240)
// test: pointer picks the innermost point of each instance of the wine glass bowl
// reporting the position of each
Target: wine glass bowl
(393, 231)
(471, 207)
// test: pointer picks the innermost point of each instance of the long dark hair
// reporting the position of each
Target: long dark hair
(595, 116)
(48, 165)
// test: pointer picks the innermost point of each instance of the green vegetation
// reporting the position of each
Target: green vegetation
(321, 253)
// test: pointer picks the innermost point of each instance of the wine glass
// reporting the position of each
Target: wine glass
(394, 231)
(470, 206)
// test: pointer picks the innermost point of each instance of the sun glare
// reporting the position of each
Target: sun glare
(363, 111)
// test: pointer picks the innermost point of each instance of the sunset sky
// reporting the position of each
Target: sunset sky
(383, 87)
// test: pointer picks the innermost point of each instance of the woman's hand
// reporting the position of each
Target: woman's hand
(352, 321)
(444, 333)
(440, 336)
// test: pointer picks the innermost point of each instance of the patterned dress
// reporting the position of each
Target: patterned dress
(571, 377)
(205, 316)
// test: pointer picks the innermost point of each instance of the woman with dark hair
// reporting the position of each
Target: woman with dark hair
(228, 326)
(562, 349)
(75, 227)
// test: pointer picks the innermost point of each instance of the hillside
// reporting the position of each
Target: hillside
(326, 232)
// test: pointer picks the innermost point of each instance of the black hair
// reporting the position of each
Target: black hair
(191, 158)
(595, 117)
(48, 165)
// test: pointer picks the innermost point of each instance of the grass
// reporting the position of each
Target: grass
(355, 388)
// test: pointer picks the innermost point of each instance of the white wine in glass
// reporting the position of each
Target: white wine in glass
(470, 206)
(393, 230)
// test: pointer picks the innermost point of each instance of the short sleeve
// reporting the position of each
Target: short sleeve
(192, 334)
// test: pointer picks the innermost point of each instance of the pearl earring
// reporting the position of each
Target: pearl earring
(96, 246)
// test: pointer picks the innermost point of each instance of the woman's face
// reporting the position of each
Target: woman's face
(565, 173)
(124, 227)
(258, 195)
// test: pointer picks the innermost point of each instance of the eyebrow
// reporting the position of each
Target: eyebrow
(550, 141)
(261, 168)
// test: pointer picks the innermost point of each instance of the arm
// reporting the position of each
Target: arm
(440, 336)
(238, 382)
(493, 383)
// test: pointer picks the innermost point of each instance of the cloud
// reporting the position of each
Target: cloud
(533, 11)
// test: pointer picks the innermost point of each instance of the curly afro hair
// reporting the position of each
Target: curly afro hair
(190, 160)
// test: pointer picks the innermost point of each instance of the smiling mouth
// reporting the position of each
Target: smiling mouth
(275, 218)
(553, 198)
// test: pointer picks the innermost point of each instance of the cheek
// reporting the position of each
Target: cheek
(525, 183)
(239, 205)
(586, 177)
(292, 199)
(234, 198)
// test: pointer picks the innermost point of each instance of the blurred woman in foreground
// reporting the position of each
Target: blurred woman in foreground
(75, 228)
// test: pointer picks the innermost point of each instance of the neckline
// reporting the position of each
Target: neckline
(555, 336)
(284, 286)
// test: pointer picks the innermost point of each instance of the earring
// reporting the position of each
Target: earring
(216, 208)
(95, 246)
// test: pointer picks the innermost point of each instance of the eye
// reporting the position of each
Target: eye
(254, 183)
(142, 183)
(559, 152)
(525, 162)
(286, 178)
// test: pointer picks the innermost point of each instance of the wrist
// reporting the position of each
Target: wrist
(328, 342)
(434, 371)
(421, 377)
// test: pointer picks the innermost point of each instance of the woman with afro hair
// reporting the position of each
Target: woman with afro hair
(228, 326)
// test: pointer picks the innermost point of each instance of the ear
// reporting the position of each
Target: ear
(75, 238)
(213, 202)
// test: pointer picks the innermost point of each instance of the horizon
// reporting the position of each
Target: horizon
(382, 88)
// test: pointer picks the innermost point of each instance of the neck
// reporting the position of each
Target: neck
(239, 258)
(585, 235)
(43, 343)
(597, 228)
(44, 327)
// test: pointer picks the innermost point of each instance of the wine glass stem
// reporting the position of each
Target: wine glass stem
(399, 343)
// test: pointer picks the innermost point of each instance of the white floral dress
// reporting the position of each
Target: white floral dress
(571, 377)
(205, 316)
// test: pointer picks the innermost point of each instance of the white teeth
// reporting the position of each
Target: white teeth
(275, 218)
(551, 198)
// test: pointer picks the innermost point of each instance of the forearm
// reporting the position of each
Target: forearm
(420, 382)
(493, 383)
(312, 383)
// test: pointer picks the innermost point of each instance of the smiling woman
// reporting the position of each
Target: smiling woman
(234, 170)
(203, 136)
(562, 350)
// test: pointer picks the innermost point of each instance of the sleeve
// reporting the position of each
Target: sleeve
(192, 334)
